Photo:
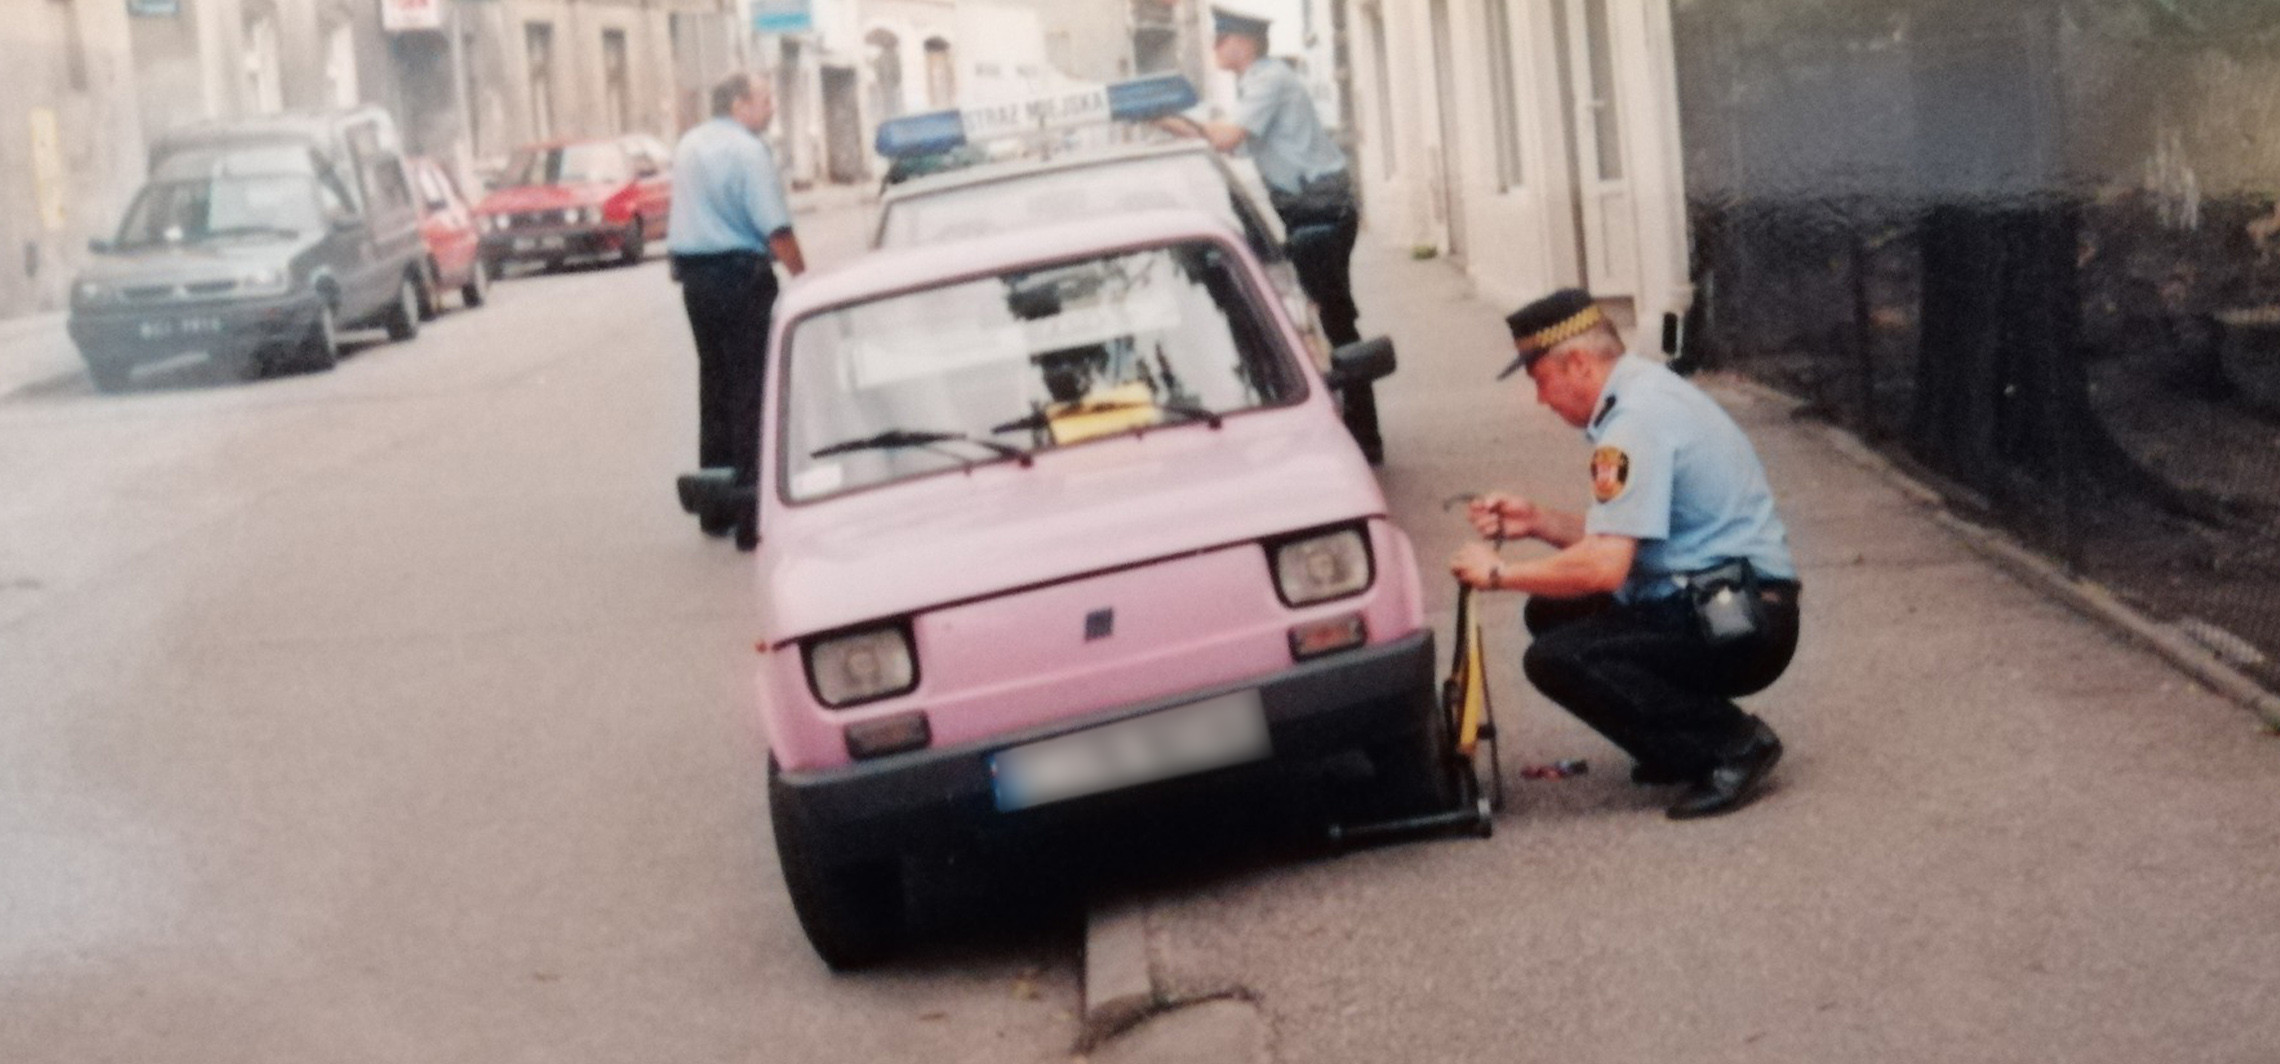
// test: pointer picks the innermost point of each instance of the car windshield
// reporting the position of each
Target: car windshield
(982, 369)
(569, 164)
(1187, 180)
(190, 210)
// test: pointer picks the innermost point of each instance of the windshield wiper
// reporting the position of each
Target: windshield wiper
(1040, 419)
(893, 439)
(250, 230)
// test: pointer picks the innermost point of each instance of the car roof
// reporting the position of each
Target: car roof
(1014, 169)
(902, 269)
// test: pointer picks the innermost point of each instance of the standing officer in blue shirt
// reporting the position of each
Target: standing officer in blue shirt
(730, 220)
(1307, 181)
(1675, 592)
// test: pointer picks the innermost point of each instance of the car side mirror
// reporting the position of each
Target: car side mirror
(98, 245)
(1361, 363)
(439, 205)
(346, 223)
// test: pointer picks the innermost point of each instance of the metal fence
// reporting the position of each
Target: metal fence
(2089, 358)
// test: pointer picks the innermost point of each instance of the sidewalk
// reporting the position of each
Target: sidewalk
(34, 350)
(2003, 831)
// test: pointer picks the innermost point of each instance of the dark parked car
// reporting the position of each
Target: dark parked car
(583, 199)
(256, 242)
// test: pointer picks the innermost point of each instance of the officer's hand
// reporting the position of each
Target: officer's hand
(1503, 514)
(1475, 565)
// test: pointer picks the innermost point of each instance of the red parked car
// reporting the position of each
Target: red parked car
(454, 241)
(603, 198)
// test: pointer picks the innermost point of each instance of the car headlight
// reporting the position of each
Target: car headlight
(1322, 567)
(488, 223)
(593, 215)
(570, 215)
(861, 666)
(89, 292)
(264, 282)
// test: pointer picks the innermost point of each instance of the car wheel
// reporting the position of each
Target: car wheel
(320, 349)
(1413, 773)
(478, 286)
(110, 376)
(404, 317)
(430, 291)
(634, 245)
(854, 915)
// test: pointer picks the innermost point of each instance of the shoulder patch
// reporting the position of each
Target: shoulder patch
(1610, 473)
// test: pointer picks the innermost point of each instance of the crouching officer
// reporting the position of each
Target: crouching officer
(1308, 182)
(1675, 592)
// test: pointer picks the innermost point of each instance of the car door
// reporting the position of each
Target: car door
(653, 181)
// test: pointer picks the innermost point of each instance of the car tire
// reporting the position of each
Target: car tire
(478, 286)
(430, 291)
(319, 351)
(633, 246)
(110, 377)
(1414, 774)
(854, 915)
(403, 319)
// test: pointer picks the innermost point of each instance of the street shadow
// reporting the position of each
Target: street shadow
(186, 373)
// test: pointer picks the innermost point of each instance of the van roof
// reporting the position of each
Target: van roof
(314, 126)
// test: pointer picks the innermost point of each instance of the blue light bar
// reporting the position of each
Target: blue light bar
(934, 132)
(1142, 99)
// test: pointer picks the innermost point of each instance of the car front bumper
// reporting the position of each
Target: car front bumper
(134, 335)
(944, 799)
(540, 245)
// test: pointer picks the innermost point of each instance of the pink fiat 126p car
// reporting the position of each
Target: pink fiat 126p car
(1055, 520)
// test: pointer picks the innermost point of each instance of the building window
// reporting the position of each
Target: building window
(1503, 88)
(538, 49)
(941, 75)
(264, 86)
(886, 73)
(340, 68)
(74, 45)
(617, 95)
(1606, 122)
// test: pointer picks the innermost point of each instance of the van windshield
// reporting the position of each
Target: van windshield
(191, 210)
(985, 369)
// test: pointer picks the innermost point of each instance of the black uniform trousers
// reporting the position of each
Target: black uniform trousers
(731, 299)
(1322, 222)
(1643, 675)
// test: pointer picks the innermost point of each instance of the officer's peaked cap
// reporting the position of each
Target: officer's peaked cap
(1224, 22)
(1549, 322)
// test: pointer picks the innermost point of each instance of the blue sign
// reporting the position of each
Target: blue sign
(154, 8)
(783, 16)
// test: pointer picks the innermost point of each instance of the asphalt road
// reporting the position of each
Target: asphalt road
(397, 714)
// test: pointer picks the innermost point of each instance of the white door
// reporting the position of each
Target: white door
(1607, 207)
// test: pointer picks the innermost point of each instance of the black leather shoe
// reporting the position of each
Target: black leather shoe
(1651, 775)
(1734, 782)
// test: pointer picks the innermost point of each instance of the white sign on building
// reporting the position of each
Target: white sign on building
(405, 16)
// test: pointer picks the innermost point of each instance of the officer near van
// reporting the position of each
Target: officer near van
(1307, 179)
(1675, 592)
(730, 223)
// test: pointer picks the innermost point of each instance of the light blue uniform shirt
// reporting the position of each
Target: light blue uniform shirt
(1284, 135)
(1672, 470)
(727, 194)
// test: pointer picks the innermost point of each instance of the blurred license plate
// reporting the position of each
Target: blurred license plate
(1228, 730)
(531, 243)
(165, 327)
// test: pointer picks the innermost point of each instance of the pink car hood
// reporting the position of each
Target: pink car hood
(1107, 504)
